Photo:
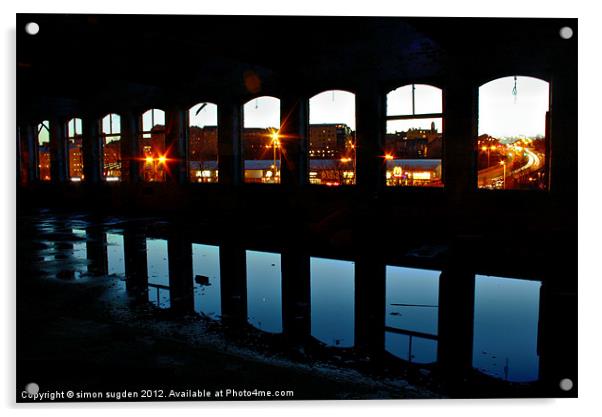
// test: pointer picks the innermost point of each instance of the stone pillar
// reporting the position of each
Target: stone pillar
(130, 147)
(370, 133)
(59, 151)
(232, 259)
(563, 128)
(460, 108)
(557, 344)
(176, 144)
(28, 156)
(370, 278)
(294, 139)
(179, 252)
(456, 321)
(92, 149)
(229, 141)
(96, 251)
(134, 243)
(296, 312)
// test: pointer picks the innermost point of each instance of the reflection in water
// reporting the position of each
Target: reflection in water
(115, 254)
(158, 272)
(506, 320)
(116, 257)
(412, 308)
(205, 268)
(79, 254)
(264, 291)
(332, 301)
(79, 246)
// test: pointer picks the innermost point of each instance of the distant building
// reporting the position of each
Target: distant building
(76, 163)
(44, 162)
(414, 172)
(112, 159)
(415, 143)
(330, 141)
(202, 143)
(257, 143)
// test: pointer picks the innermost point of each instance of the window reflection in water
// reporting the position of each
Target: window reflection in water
(79, 244)
(205, 268)
(264, 291)
(158, 272)
(116, 257)
(506, 318)
(412, 308)
(332, 301)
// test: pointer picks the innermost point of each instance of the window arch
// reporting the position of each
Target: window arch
(512, 144)
(261, 148)
(332, 138)
(111, 147)
(202, 142)
(152, 146)
(414, 138)
(43, 140)
(74, 147)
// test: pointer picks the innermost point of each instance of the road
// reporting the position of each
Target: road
(494, 173)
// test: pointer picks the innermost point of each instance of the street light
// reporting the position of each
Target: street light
(275, 144)
(503, 163)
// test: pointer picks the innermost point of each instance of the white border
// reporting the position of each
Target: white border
(590, 153)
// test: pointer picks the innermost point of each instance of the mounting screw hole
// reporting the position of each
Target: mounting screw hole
(32, 28)
(32, 388)
(566, 384)
(566, 32)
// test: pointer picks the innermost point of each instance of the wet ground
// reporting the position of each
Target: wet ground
(113, 304)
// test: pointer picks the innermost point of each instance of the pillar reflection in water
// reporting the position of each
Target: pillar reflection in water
(412, 309)
(79, 245)
(264, 290)
(506, 321)
(78, 265)
(332, 301)
(116, 257)
(158, 272)
(96, 250)
(205, 268)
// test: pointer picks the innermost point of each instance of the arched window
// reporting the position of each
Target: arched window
(261, 141)
(202, 145)
(111, 147)
(74, 143)
(512, 144)
(332, 138)
(43, 137)
(152, 146)
(414, 138)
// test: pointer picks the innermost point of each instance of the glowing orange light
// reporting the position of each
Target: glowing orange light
(389, 157)
(149, 159)
(162, 159)
(484, 148)
(492, 148)
(275, 136)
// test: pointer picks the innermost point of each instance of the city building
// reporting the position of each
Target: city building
(330, 141)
